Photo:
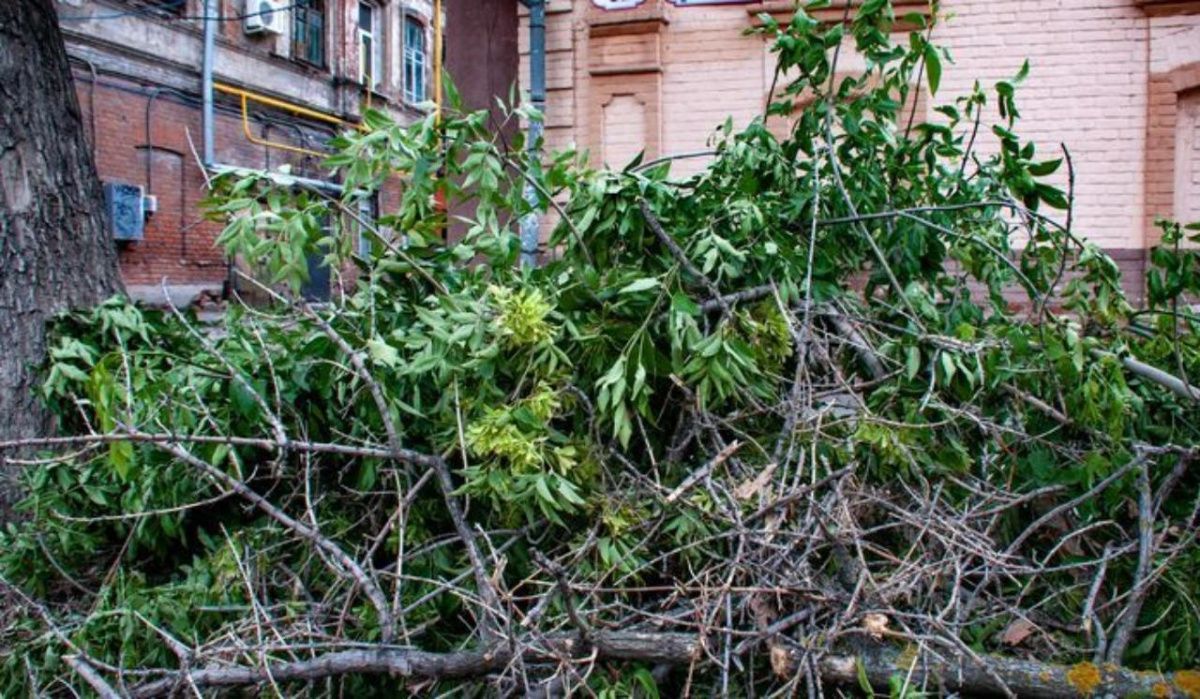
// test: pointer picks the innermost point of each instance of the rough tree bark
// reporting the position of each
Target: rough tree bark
(54, 251)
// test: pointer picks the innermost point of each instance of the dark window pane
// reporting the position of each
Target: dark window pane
(156, 8)
(366, 16)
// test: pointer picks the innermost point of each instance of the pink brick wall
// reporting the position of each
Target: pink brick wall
(1108, 77)
(712, 72)
(1087, 89)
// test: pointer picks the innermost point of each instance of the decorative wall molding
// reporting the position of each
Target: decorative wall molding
(626, 27)
(1173, 121)
(645, 11)
(627, 4)
(835, 11)
(617, 4)
(624, 62)
(1169, 7)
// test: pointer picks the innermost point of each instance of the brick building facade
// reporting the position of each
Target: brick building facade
(286, 81)
(1118, 81)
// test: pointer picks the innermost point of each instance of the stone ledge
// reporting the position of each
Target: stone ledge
(623, 26)
(182, 295)
(631, 69)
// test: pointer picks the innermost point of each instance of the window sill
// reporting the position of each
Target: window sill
(415, 107)
(373, 98)
(301, 66)
(315, 68)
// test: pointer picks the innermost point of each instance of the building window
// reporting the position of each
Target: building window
(370, 45)
(173, 7)
(368, 213)
(308, 31)
(159, 8)
(416, 61)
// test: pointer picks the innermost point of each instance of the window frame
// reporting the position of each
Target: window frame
(415, 63)
(376, 37)
(303, 12)
(368, 211)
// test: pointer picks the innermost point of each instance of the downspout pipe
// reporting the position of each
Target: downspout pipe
(530, 228)
(208, 125)
(206, 78)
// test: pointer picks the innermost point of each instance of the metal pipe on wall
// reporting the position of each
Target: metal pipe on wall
(530, 223)
(206, 78)
(437, 58)
(208, 118)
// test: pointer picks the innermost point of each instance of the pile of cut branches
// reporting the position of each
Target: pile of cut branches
(854, 406)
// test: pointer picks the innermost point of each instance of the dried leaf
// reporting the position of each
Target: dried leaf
(1017, 631)
(781, 661)
(875, 625)
(750, 488)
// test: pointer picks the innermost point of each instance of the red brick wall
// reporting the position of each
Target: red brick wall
(179, 244)
(140, 128)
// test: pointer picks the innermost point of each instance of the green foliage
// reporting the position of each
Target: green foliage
(567, 396)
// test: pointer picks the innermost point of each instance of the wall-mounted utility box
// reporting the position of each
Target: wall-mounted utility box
(125, 206)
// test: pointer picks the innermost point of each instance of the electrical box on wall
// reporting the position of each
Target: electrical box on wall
(125, 206)
(264, 17)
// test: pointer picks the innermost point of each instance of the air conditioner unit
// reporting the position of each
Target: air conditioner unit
(265, 17)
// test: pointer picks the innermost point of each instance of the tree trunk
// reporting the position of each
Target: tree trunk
(54, 249)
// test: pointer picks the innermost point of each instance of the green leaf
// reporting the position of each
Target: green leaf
(120, 455)
(544, 490)
(683, 303)
(1045, 167)
(913, 362)
(864, 682)
(640, 285)
(948, 366)
(933, 68)
(870, 7)
(1023, 73)
(382, 353)
(1052, 196)
(244, 402)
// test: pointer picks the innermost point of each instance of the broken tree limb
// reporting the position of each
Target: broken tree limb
(853, 337)
(1024, 678)
(347, 566)
(669, 648)
(702, 472)
(1172, 383)
(878, 663)
(85, 670)
(681, 257)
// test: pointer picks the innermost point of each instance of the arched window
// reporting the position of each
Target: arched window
(416, 60)
(308, 31)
